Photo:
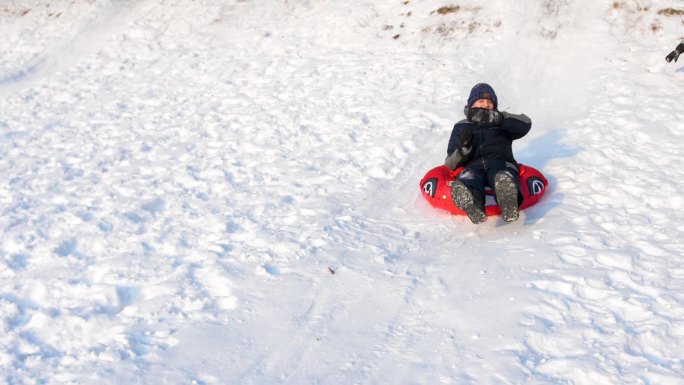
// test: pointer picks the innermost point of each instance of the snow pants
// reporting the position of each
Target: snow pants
(477, 178)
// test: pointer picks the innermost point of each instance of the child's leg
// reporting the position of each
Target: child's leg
(467, 192)
(506, 184)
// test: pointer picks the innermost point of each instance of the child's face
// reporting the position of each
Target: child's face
(483, 103)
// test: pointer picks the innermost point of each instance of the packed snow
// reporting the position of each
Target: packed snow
(226, 192)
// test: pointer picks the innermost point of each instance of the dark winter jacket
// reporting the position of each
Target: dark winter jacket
(492, 145)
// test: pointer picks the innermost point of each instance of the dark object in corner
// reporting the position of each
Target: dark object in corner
(675, 54)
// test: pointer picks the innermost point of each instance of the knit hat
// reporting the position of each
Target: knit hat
(482, 91)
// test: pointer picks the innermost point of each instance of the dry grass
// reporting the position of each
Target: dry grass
(447, 9)
(618, 5)
(671, 12)
(38, 9)
(461, 21)
(445, 30)
(655, 27)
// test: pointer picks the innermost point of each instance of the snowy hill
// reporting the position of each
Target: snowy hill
(226, 192)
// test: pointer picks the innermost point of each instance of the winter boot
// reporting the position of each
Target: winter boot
(464, 200)
(506, 196)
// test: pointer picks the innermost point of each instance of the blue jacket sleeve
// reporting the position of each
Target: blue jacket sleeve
(454, 158)
(517, 126)
(455, 139)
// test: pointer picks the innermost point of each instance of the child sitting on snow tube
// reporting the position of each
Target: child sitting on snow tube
(436, 188)
(482, 145)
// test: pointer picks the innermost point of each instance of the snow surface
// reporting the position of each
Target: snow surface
(226, 192)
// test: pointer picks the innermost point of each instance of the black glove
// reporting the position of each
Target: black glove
(484, 116)
(466, 141)
(675, 54)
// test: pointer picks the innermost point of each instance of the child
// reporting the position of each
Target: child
(482, 143)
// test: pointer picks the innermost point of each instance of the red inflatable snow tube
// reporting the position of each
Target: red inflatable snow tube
(436, 186)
